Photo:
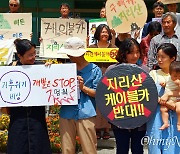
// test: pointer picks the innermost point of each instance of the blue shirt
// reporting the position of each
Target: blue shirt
(86, 104)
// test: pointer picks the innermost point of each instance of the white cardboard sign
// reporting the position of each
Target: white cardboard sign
(55, 31)
(37, 85)
(15, 25)
(125, 16)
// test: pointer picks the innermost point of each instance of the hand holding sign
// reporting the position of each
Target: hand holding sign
(126, 96)
(122, 14)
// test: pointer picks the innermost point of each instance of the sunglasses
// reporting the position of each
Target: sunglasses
(15, 5)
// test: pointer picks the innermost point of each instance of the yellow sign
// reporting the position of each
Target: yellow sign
(170, 1)
(101, 54)
(3, 53)
(125, 16)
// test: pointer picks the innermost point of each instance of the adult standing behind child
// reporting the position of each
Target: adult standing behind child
(80, 119)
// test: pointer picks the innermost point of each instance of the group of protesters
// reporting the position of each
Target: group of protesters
(158, 54)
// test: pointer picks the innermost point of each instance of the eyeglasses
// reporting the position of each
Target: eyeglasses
(15, 5)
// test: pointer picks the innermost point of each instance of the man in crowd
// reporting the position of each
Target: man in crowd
(64, 10)
(14, 6)
(169, 35)
(102, 13)
(158, 10)
(173, 8)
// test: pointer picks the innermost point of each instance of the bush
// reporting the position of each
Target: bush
(4, 124)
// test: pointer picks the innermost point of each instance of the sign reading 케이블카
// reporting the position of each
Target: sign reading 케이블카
(101, 55)
(55, 31)
(126, 96)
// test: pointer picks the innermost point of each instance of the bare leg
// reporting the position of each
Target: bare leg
(178, 115)
(165, 117)
(106, 134)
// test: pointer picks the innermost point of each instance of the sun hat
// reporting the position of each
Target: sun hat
(74, 47)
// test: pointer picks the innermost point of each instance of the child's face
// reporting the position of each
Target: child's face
(176, 78)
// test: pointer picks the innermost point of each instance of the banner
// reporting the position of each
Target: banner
(93, 24)
(125, 16)
(15, 25)
(170, 1)
(37, 85)
(7, 49)
(127, 96)
(101, 55)
(54, 32)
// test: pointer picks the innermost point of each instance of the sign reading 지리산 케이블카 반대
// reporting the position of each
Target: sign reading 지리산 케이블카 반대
(37, 85)
(126, 96)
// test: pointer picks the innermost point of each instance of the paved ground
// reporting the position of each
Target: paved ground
(109, 147)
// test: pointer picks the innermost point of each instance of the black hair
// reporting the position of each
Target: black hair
(23, 45)
(169, 49)
(99, 30)
(65, 4)
(154, 26)
(156, 4)
(174, 67)
(125, 48)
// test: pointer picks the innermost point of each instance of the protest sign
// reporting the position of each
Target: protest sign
(101, 54)
(127, 96)
(157, 19)
(37, 85)
(125, 16)
(55, 31)
(93, 24)
(6, 51)
(15, 25)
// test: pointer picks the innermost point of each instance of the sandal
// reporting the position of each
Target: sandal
(106, 135)
(98, 134)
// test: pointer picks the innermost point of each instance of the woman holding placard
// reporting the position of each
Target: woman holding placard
(102, 36)
(27, 132)
(129, 52)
